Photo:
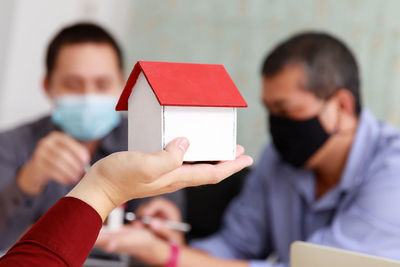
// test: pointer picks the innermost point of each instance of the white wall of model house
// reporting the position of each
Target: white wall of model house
(211, 131)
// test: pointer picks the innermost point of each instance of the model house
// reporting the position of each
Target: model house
(197, 101)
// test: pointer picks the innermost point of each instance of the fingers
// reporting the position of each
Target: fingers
(160, 228)
(126, 175)
(103, 238)
(62, 157)
(60, 169)
(227, 168)
(126, 240)
(200, 174)
(59, 173)
(66, 159)
(239, 150)
(137, 224)
(160, 208)
(168, 159)
(77, 150)
(108, 240)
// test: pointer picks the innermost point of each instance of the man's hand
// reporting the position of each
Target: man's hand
(162, 209)
(137, 241)
(57, 157)
(122, 176)
(147, 243)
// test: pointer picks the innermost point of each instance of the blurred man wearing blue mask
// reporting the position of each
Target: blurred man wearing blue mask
(41, 161)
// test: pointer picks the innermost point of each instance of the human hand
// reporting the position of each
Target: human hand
(161, 210)
(57, 157)
(122, 176)
(136, 241)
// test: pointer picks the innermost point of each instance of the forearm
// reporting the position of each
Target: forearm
(90, 191)
(67, 232)
(158, 254)
(28, 180)
(63, 236)
(197, 258)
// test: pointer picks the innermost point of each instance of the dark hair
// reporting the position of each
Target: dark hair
(329, 64)
(76, 34)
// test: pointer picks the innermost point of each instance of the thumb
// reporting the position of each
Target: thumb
(171, 157)
(180, 144)
(159, 228)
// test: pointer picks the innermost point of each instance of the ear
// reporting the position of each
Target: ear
(122, 80)
(346, 101)
(46, 86)
(122, 77)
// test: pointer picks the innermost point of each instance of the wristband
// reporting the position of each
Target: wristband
(173, 258)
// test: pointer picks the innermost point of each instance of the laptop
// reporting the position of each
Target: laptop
(304, 254)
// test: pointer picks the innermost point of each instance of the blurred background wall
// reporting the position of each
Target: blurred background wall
(236, 33)
(26, 27)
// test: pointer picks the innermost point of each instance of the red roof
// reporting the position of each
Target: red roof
(185, 84)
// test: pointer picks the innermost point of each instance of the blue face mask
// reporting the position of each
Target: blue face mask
(86, 117)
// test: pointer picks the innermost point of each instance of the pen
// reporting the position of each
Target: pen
(178, 226)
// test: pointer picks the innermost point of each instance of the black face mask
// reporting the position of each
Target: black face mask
(296, 141)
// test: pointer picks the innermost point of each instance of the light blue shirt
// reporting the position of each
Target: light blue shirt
(277, 205)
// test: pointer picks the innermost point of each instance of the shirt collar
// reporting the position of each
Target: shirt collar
(366, 136)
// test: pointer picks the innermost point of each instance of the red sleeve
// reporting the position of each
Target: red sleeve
(63, 236)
